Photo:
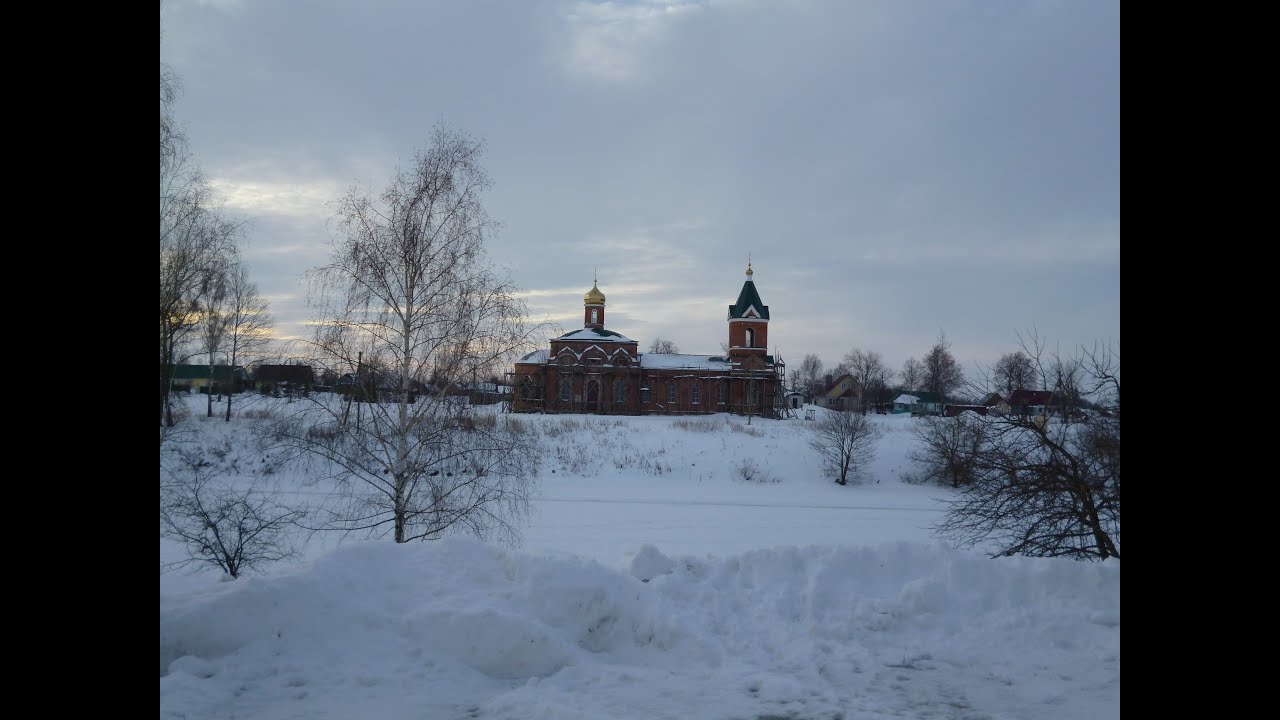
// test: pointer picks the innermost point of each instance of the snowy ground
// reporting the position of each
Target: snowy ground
(795, 599)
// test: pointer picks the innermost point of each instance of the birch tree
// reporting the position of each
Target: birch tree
(410, 287)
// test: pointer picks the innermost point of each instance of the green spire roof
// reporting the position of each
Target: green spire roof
(747, 299)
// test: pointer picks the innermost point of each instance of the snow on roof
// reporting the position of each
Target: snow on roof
(666, 361)
(596, 334)
(536, 357)
(906, 399)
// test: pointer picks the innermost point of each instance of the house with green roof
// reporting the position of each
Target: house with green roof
(196, 377)
(918, 402)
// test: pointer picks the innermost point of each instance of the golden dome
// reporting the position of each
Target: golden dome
(593, 296)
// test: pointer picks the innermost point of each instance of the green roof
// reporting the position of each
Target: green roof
(201, 372)
(746, 299)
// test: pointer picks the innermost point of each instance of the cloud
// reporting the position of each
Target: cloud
(893, 167)
(610, 41)
(265, 197)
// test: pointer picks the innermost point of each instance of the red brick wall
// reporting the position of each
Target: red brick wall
(738, 334)
(548, 379)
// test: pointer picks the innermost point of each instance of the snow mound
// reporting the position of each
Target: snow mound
(649, 563)
(458, 628)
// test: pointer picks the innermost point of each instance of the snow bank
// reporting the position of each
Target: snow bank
(458, 628)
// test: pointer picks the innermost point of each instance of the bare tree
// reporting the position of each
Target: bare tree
(213, 325)
(196, 246)
(912, 375)
(1014, 371)
(809, 373)
(840, 370)
(409, 286)
(941, 372)
(846, 441)
(1066, 378)
(1101, 365)
(1046, 488)
(172, 140)
(236, 528)
(948, 448)
(870, 372)
(662, 346)
(248, 322)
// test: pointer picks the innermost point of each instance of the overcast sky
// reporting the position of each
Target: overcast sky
(893, 168)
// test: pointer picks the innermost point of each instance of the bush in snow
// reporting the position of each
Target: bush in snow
(948, 448)
(236, 528)
(846, 441)
(705, 424)
(749, 470)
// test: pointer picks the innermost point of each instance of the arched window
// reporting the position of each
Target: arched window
(566, 390)
(671, 393)
(722, 392)
(751, 337)
(697, 392)
(595, 314)
(619, 392)
(526, 388)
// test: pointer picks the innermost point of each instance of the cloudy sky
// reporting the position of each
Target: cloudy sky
(892, 168)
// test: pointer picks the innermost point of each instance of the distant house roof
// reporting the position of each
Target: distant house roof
(918, 396)
(221, 373)
(487, 387)
(1030, 397)
(748, 299)
(284, 373)
(851, 387)
(380, 379)
(992, 399)
(596, 335)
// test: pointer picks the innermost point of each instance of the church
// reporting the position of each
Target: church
(600, 371)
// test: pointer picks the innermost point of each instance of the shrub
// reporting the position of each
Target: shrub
(748, 470)
(702, 424)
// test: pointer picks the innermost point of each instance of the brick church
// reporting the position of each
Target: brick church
(594, 370)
